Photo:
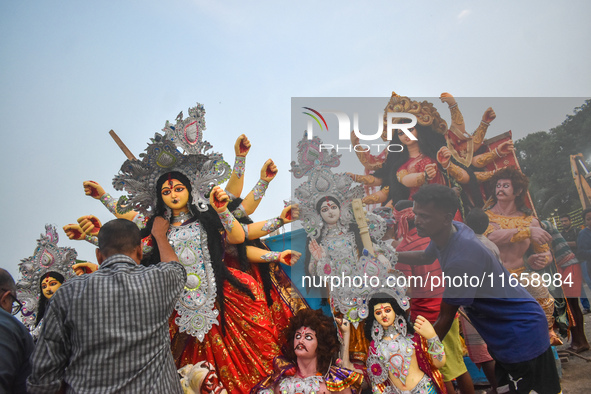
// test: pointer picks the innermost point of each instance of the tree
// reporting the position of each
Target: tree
(545, 158)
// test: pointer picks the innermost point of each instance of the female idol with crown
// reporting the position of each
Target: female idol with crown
(435, 155)
(403, 357)
(222, 316)
(335, 247)
(42, 275)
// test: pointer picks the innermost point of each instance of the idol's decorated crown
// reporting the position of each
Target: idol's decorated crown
(203, 169)
(321, 183)
(426, 113)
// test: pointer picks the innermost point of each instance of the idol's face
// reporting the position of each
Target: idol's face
(330, 212)
(405, 139)
(305, 342)
(384, 314)
(504, 190)
(49, 286)
(175, 194)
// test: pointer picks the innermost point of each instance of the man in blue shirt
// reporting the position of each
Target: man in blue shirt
(510, 321)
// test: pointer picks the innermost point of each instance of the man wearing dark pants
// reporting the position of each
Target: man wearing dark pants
(108, 331)
(510, 321)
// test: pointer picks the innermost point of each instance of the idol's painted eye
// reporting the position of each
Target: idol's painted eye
(166, 192)
(298, 335)
(179, 189)
(309, 337)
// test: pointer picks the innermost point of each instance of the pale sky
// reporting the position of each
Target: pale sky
(71, 71)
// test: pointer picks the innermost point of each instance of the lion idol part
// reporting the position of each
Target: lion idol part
(47, 260)
(200, 378)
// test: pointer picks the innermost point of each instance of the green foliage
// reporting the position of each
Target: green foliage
(545, 158)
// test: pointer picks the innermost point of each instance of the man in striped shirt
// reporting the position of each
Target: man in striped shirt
(107, 331)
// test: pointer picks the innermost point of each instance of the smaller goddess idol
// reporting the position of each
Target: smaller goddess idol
(400, 362)
(336, 246)
(42, 275)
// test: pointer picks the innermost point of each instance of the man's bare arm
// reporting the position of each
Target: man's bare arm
(415, 258)
(447, 313)
(159, 229)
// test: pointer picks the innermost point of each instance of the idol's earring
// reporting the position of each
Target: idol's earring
(377, 331)
(400, 323)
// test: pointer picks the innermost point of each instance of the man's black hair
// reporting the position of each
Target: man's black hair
(477, 220)
(6, 280)
(118, 236)
(443, 198)
(564, 215)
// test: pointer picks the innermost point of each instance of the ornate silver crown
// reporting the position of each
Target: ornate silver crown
(204, 170)
(48, 257)
(321, 183)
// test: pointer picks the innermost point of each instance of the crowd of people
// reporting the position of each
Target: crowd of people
(185, 298)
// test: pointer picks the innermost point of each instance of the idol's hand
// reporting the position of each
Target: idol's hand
(373, 199)
(290, 213)
(93, 189)
(268, 171)
(489, 115)
(242, 146)
(84, 268)
(447, 98)
(539, 260)
(90, 224)
(316, 250)
(424, 328)
(539, 235)
(365, 179)
(344, 326)
(505, 148)
(431, 170)
(218, 199)
(443, 157)
(289, 257)
(74, 232)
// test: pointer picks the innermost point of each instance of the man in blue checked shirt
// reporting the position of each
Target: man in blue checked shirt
(107, 331)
